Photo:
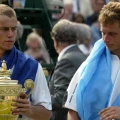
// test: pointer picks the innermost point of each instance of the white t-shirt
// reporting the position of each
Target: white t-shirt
(40, 94)
(71, 99)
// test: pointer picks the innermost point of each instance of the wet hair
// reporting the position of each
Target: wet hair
(6, 10)
(64, 32)
(110, 13)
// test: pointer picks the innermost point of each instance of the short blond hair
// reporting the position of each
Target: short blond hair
(6, 10)
(110, 13)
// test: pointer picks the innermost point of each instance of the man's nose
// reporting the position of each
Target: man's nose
(106, 38)
(10, 33)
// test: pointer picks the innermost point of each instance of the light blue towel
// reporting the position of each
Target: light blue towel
(95, 85)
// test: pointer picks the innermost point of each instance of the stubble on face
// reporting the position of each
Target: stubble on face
(111, 37)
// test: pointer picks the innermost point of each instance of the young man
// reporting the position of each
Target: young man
(98, 79)
(22, 68)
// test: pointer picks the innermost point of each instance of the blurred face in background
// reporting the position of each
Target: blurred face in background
(97, 5)
(78, 18)
(17, 4)
(33, 43)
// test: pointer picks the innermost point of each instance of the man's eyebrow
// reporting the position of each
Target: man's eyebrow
(8, 27)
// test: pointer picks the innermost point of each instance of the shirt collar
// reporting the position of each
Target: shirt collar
(64, 50)
(84, 49)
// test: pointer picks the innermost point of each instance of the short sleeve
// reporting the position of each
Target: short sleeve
(41, 94)
(71, 92)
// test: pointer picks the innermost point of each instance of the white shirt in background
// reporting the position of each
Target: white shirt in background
(85, 8)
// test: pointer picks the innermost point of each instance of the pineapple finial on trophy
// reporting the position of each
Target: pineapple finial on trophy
(3, 71)
(4, 66)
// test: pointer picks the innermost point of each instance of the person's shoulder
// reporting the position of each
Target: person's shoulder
(73, 49)
(24, 56)
(74, 53)
(74, 57)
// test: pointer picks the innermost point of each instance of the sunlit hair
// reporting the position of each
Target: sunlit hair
(6, 10)
(110, 13)
(35, 37)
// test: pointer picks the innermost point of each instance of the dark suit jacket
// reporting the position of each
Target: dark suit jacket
(62, 75)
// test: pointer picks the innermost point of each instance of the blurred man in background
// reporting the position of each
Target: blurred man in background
(69, 59)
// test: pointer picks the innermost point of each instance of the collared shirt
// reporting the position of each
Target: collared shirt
(64, 50)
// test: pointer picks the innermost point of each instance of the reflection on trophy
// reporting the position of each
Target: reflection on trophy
(10, 89)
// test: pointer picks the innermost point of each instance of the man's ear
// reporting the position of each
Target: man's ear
(56, 43)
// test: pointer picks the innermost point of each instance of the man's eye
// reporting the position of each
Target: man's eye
(6, 29)
(103, 33)
(14, 29)
(111, 34)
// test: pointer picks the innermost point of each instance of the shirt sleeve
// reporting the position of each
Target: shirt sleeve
(71, 92)
(41, 94)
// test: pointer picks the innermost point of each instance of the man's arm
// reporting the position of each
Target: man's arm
(39, 107)
(39, 113)
(72, 115)
(71, 97)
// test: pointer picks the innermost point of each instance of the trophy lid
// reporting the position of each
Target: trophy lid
(5, 75)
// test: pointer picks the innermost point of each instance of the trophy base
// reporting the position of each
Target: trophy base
(8, 117)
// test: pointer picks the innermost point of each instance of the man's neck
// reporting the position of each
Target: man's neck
(1, 53)
(60, 49)
(116, 53)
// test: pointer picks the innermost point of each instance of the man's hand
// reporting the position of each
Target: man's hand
(110, 113)
(22, 106)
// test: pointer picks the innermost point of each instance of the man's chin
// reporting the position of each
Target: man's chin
(9, 48)
(110, 48)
